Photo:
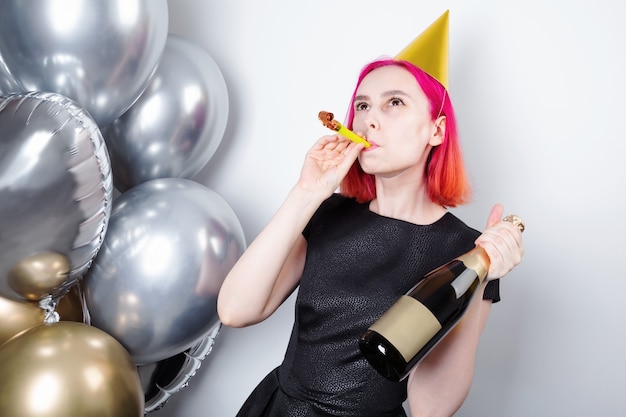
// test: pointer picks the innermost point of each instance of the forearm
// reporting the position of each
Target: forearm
(441, 382)
(267, 272)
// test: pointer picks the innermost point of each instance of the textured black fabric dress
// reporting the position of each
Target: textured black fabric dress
(358, 264)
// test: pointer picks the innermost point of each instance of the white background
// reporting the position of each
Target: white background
(539, 92)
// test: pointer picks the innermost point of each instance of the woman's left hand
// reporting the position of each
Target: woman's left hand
(503, 243)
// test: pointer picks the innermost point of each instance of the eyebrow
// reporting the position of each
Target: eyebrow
(389, 93)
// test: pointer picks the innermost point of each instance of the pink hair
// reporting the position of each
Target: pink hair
(446, 180)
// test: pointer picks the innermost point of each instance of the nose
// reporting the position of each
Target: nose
(371, 121)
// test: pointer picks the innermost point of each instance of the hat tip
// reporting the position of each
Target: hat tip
(429, 50)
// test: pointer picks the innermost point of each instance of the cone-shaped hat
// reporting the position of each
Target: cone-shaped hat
(429, 50)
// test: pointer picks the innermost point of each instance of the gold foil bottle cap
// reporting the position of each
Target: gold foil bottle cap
(516, 220)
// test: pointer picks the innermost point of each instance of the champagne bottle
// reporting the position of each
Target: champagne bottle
(418, 320)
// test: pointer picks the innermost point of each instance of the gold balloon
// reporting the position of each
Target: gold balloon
(68, 369)
(16, 316)
(39, 275)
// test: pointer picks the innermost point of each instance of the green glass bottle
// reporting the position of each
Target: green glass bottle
(418, 320)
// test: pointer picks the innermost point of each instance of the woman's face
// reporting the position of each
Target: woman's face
(393, 113)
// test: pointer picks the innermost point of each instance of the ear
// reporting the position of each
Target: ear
(439, 133)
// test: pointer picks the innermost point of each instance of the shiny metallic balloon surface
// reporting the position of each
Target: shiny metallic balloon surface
(101, 54)
(68, 369)
(55, 185)
(17, 316)
(7, 81)
(178, 122)
(36, 276)
(169, 376)
(154, 284)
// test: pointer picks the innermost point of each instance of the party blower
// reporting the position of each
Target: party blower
(328, 119)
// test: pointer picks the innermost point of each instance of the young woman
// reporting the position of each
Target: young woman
(352, 254)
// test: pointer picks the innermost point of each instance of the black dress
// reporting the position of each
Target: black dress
(358, 264)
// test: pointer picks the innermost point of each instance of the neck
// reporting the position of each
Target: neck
(405, 201)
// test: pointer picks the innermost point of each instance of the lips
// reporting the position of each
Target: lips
(373, 144)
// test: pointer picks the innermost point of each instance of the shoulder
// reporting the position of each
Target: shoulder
(465, 236)
(339, 200)
(331, 210)
(458, 226)
(454, 234)
(335, 204)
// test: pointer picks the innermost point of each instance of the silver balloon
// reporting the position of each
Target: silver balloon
(101, 54)
(178, 122)
(154, 284)
(169, 376)
(55, 186)
(7, 82)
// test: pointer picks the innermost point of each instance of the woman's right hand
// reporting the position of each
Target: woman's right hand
(327, 162)
(270, 268)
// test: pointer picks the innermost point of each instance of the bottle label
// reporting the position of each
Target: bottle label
(408, 325)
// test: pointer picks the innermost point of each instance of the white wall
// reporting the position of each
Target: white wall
(540, 96)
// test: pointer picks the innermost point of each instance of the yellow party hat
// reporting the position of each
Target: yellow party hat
(429, 51)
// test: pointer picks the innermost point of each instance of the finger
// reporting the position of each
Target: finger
(503, 246)
(496, 215)
(325, 140)
(351, 153)
(354, 149)
(501, 234)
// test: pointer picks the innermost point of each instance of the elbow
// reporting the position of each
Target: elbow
(227, 316)
(232, 316)
(230, 320)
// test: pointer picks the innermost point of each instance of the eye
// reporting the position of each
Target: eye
(361, 105)
(396, 101)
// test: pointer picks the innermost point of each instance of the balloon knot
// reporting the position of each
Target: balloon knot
(48, 305)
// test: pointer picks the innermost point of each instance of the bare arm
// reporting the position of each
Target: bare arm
(438, 386)
(270, 268)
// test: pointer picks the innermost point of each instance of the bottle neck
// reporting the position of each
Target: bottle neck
(477, 260)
